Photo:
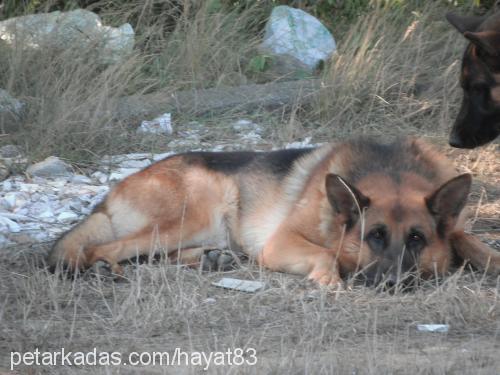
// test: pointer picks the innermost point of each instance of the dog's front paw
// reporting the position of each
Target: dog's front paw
(105, 270)
(327, 278)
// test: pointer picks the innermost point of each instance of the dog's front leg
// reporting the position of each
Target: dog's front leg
(287, 251)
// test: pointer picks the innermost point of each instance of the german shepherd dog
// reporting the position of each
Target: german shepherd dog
(382, 210)
(478, 121)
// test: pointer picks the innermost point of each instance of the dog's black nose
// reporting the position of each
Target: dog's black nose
(391, 281)
(455, 141)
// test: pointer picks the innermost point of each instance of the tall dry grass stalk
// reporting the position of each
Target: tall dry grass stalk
(70, 98)
(395, 72)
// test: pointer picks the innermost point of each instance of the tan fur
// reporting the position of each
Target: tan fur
(287, 224)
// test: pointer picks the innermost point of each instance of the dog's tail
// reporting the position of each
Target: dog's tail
(68, 253)
(472, 250)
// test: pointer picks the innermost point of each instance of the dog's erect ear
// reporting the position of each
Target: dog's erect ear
(446, 203)
(345, 199)
(465, 23)
(488, 41)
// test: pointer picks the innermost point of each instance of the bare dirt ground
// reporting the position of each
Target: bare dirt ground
(293, 326)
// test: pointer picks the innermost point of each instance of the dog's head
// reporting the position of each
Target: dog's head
(394, 231)
(478, 121)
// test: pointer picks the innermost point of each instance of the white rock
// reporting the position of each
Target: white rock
(302, 144)
(79, 30)
(247, 126)
(80, 179)
(100, 176)
(135, 163)
(157, 157)
(15, 217)
(14, 199)
(8, 225)
(294, 33)
(7, 185)
(29, 188)
(49, 168)
(160, 125)
(47, 217)
(252, 137)
(116, 159)
(122, 173)
(67, 217)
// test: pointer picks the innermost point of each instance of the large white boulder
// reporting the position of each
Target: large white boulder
(297, 38)
(78, 29)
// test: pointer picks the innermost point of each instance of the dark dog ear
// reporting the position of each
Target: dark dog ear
(446, 203)
(465, 23)
(489, 41)
(345, 199)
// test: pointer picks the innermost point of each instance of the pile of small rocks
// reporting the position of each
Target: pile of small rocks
(50, 197)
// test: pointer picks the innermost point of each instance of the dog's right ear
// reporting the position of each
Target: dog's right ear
(465, 23)
(345, 199)
(489, 41)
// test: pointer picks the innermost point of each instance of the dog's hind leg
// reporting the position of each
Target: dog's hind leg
(177, 238)
(471, 249)
(69, 251)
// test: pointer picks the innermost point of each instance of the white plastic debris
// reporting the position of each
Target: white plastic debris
(441, 328)
(160, 125)
(238, 284)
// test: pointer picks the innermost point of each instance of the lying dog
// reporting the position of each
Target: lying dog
(478, 121)
(384, 209)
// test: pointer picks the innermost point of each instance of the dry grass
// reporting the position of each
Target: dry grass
(294, 327)
(395, 73)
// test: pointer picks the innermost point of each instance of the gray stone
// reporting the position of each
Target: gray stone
(135, 163)
(79, 29)
(51, 167)
(67, 217)
(159, 125)
(80, 179)
(4, 171)
(296, 39)
(9, 151)
(11, 110)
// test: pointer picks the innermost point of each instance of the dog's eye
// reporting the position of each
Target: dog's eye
(415, 239)
(378, 235)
